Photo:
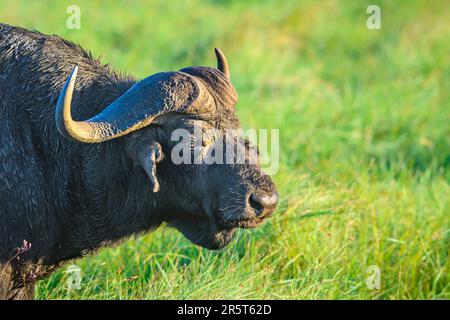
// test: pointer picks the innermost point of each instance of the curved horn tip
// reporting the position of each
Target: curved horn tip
(222, 63)
(70, 84)
(63, 115)
(74, 72)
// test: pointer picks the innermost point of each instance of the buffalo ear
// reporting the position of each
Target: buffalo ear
(147, 155)
(148, 160)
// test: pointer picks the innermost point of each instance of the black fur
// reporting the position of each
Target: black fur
(64, 198)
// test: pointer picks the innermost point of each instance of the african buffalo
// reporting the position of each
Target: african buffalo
(70, 186)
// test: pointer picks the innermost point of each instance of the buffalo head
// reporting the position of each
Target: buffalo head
(205, 200)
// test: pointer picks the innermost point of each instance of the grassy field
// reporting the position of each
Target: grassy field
(364, 119)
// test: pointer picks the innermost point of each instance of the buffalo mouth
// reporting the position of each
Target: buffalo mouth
(243, 223)
(245, 220)
(213, 232)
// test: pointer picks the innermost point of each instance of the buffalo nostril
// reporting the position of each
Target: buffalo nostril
(261, 200)
(256, 204)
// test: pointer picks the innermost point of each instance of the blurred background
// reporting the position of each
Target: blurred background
(364, 139)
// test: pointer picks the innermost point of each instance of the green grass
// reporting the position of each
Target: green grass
(364, 119)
